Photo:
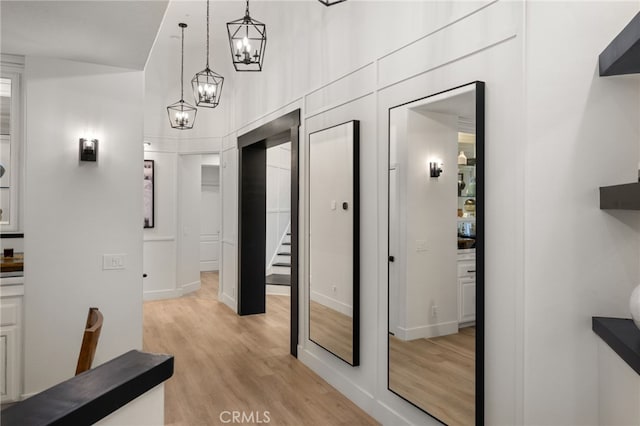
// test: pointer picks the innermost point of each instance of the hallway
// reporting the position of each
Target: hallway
(226, 363)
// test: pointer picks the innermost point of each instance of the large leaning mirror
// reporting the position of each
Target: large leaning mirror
(334, 240)
(436, 281)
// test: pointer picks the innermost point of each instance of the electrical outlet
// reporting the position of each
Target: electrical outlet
(434, 311)
(113, 261)
(334, 288)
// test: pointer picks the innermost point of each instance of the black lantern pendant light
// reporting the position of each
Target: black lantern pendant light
(330, 2)
(207, 85)
(182, 116)
(247, 38)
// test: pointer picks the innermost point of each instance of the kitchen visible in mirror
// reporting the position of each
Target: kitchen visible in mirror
(436, 306)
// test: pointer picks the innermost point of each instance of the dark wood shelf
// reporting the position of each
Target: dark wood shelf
(622, 336)
(620, 197)
(94, 394)
(622, 56)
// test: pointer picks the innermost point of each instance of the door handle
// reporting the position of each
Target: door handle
(392, 259)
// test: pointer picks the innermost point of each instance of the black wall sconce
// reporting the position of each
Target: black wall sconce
(88, 149)
(435, 169)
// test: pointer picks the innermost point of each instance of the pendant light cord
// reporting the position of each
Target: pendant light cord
(182, 66)
(246, 12)
(207, 34)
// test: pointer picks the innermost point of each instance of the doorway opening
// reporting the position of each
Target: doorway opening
(252, 216)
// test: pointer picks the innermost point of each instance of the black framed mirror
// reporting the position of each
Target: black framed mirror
(334, 235)
(436, 254)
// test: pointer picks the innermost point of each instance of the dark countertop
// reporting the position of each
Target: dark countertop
(94, 394)
(622, 336)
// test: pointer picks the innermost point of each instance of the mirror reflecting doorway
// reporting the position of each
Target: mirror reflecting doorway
(436, 218)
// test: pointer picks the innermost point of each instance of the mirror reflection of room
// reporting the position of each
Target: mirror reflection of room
(333, 241)
(432, 244)
(278, 236)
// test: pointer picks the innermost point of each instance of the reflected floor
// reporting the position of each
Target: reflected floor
(332, 330)
(437, 374)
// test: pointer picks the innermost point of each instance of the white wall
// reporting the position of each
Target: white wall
(189, 196)
(430, 228)
(76, 212)
(229, 188)
(278, 197)
(581, 133)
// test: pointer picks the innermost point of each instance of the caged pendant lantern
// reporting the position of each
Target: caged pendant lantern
(182, 116)
(247, 39)
(207, 85)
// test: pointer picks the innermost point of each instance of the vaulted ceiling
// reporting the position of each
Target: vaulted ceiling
(116, 33)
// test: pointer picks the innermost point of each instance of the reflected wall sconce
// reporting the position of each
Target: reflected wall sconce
(330, 2)
(435, 169)
(247, 39)
(88, 149)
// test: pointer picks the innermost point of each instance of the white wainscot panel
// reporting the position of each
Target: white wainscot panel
(470, 35)
(352, 86)
(229, 277)
(160, 267)
(209, 253)
(619, 389)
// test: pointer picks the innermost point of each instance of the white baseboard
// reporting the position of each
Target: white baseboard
(359, 396)
(281, 290)
(191, 287)
(27, 395)
(427, 331)
(334, 304)
(161, 294)
(209, 265)
(230, 302)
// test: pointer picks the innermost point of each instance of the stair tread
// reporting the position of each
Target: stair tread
(278, 279)
(284, 254)
(286, 244)
(282, 264)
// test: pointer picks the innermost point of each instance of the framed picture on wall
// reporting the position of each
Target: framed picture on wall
(148, 194)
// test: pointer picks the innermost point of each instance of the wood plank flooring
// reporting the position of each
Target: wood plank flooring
(437, 374)
(332, 330)
(224, 362)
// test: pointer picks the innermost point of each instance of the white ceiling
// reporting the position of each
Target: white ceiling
(117, 33)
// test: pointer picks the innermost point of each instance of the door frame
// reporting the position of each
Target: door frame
(252, 212)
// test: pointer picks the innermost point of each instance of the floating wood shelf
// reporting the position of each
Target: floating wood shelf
(622, 336)
(622, 56)
(620, 197)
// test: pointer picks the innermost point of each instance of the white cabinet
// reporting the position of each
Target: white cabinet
(466, 286)
(11, 298)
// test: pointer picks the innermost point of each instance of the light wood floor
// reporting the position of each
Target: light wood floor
(332, 330)
(224, 362)
(437, 374)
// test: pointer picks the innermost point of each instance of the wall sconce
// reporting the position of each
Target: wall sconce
(435, 169)
(88, 149)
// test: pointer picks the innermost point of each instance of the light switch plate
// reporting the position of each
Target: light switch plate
(113, 261)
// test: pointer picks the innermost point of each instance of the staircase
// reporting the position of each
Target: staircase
(279, 269)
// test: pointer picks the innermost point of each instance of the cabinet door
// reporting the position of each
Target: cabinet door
(8, 364)
(467, 299)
